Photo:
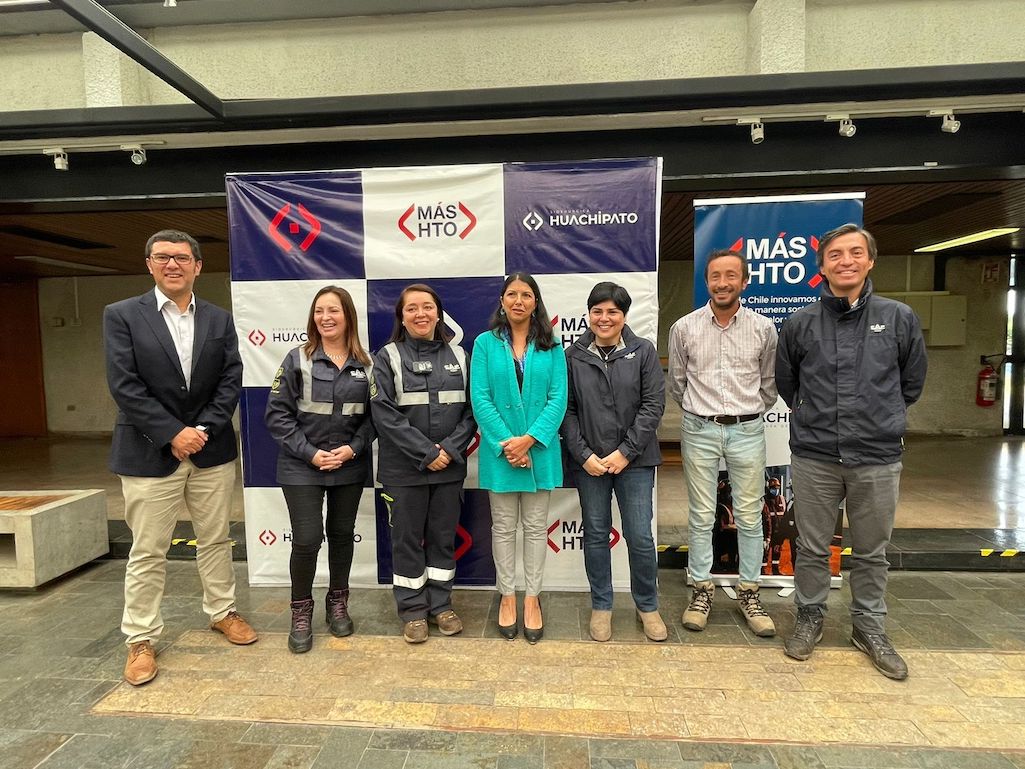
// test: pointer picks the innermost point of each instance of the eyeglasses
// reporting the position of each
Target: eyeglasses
(165, 258)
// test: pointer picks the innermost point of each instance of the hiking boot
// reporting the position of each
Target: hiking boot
(235, 629)
(879, 649)
(141, 666)
(696, 615)
(601, 625)
(337, 612)
(751, 607)
(300, 637)
(654, 627)
(415, 631)
(807, 633)
(448, 622)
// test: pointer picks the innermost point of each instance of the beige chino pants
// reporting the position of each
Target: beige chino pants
(152, 508)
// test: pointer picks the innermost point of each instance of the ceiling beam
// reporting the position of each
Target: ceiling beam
(105, 24)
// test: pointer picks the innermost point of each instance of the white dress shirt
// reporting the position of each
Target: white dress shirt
(182, 326)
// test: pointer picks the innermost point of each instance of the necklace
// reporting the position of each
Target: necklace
(340, 356)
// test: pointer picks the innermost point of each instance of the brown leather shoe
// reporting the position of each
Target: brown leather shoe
(415, 631)
(448, 622)
(141, 666)
(235, 629)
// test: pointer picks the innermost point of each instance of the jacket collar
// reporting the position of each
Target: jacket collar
(630, 341)
(840, 305)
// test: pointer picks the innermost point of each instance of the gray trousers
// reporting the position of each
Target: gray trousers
(508, 510)
(871, 492)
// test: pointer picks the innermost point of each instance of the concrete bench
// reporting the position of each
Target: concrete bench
(44, 534)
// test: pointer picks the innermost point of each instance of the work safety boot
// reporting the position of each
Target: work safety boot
(337, 611)
(448, 622)
(300, 637)
(415, 631)
(696, 615)
(807, 633)
(750, 604)
(879, 649)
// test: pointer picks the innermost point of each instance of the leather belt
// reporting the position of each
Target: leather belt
(726, 419)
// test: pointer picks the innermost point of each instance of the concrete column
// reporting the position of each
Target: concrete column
(110, 79)
(776, 37)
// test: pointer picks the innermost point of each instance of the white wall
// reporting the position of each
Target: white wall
(77, 398)
(607, 42)
(871, 34)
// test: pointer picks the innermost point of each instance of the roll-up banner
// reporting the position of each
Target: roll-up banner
(778, 236)
(461, 229)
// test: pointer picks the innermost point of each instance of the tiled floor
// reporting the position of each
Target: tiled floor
(722, 698)
(948, 483)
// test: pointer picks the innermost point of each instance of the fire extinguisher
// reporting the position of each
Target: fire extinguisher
(988, 383)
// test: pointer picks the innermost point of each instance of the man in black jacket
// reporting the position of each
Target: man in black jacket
(848, 366)
(174, 370)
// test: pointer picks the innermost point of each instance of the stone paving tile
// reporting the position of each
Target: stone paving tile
(25, 749)
(213, 704)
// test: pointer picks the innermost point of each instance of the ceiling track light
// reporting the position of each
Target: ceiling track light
(60, 157)
(757, 133)
(950, 124)
(138, 153)
(847, 128)
(170, 3)
(757, 128)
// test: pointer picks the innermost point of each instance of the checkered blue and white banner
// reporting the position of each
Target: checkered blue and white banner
(461, 229)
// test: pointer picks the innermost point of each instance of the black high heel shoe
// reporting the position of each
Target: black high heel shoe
(508, 632)
(533, 635)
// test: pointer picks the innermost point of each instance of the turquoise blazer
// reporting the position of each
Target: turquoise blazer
(502, 412)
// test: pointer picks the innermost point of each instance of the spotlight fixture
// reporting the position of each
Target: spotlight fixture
(757, 133)
(138, 155)
(950, 125)
(847, 128)
(170, 3)
(60, 157)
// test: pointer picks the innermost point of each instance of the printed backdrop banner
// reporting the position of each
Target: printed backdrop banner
(461, 229)
(779, 237)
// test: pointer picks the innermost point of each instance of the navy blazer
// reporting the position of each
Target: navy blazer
(146, 380)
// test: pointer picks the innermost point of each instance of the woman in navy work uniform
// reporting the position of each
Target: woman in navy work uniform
(318, 411)
(421, 409)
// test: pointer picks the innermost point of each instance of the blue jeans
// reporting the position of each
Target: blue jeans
(633, 489)
(743, 447)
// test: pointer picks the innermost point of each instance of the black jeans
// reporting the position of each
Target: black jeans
(305, 511)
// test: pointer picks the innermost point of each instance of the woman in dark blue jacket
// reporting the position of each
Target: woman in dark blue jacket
(318, 411)
(616, 400)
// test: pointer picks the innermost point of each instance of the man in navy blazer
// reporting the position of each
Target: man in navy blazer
(174, 370)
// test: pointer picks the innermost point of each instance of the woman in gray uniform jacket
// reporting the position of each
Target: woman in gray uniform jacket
(318, 411)
(419, 396)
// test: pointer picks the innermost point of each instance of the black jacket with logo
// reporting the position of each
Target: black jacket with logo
(420, 397)
(616, 404)
(849, 375)
(314, 404)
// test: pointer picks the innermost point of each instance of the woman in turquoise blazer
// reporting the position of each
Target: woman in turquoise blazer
(518, 391)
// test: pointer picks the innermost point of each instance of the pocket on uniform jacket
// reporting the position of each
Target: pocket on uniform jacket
(322, 388)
